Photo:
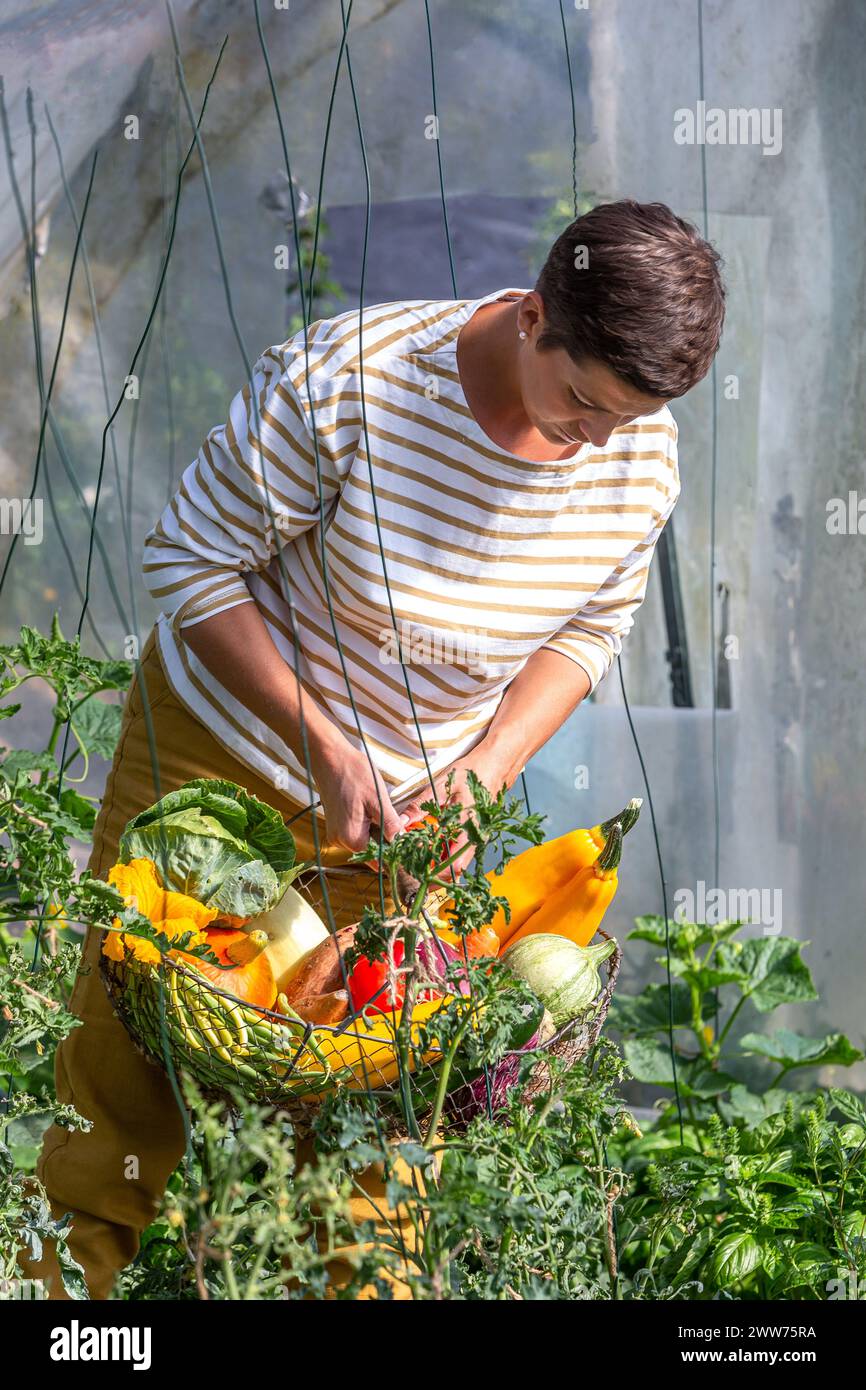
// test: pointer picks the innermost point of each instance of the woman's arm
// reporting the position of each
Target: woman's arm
(537, 703)
(236, 647)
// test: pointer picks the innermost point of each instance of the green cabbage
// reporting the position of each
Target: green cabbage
(215, 842)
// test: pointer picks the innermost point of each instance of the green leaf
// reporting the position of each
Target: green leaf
(854, 1225)
(648, 1012)
(743, 1104)
(650, 1062)
(848, 1104)
(791, 1049)
(808, 1256)
(242, 892)
(776, 972)
(705, 977)
(80, 809)
(683, 1260)
(736, 1256)
(773, 1258)
(24, 1137)
(768, 1178)
(97, 725)
(192, 852)
(769, 1132)
(25, 760)
(650, 929)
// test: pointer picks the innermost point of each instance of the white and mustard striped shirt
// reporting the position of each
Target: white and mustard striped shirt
(487, 557)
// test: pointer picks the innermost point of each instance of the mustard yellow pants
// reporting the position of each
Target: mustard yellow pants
(129, 1100)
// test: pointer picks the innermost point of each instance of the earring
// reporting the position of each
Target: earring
(521, 334)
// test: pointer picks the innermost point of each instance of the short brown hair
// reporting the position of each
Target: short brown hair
(649, 302)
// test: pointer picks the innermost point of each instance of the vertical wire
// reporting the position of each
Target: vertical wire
(713, 494)
(573, 110)
(488, 1087)
(631, 725)
(170, 1069)
(44, 392)
(125, 520)
(663, 881)
(163, 317)
(52, 420)
(438, 144)
(46, 411)
(242, 348)
(285, 583)
(411, 1122)
(377, 1125)
(345, 16)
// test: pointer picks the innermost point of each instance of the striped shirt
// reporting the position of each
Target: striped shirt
(479, 558)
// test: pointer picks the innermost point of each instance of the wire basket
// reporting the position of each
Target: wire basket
(181, 1020)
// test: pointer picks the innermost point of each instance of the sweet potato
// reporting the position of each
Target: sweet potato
(323, 1008)
(320, 971)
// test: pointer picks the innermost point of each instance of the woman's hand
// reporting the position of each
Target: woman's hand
(351, 793)
(493, 768)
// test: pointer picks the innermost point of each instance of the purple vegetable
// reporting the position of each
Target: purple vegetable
(471, 1099)
(436, 955)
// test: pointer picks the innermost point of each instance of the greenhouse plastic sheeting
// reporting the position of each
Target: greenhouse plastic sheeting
(789, 383)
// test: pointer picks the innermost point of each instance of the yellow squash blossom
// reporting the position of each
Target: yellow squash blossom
(171, 913)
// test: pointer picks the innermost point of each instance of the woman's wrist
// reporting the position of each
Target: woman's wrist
(501, 754)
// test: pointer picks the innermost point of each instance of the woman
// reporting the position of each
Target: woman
(478, 485)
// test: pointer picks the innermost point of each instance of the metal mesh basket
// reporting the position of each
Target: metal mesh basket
(178, 1018)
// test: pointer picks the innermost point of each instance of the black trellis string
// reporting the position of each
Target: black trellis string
(713, 491)
(576, 206)
(29, 238)
(488, 1087)
(573, 110)
(45, 397)
(29, 242)
(663, 881)
(93, 517)
(286, 587)
(199, 145)
(46, 400)
(287, 594)
(124, 511)
(632, 729)
(163, 328)
(438, 144)
(109, 422)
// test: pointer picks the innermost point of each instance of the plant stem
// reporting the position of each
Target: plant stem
(736, 1009)
(444, 1075)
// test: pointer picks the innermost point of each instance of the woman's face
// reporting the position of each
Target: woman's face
(568, 402)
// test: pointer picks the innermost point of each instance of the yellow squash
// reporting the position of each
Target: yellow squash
(532, 878)
(576, 908)
(366, 1048)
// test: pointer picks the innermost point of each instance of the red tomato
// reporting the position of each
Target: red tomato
(367, 979)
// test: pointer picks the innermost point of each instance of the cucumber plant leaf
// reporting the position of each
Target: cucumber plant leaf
(97, 725)
(648, 1012)
(773, 969)
(792, 1050)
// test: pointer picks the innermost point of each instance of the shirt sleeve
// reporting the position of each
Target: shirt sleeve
(594, 636)
(253, 487)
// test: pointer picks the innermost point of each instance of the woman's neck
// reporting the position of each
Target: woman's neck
(487, 348)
